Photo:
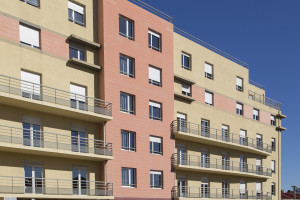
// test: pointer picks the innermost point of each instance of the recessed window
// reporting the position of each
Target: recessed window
(255, 114)
(273, 144)
(30, 85)
(35, 3)
(258, 189)
(34, 181)
(127, 103)
(273, 120)
(243, 138)
(154, 40)
(243, 189)
(273, 166)
(32, 133)
(128, 177)
(79, 140)
(127, 140)
(155, 179)
(154, 76)
(239, 84)
(76, 13)
(186, 61)
(208, 71)
(29, 36)
(273, 189)
(239, 108)
(78, 97)
(205, 129)
(155, 145)
(126, 27)
(259, 168)
(155, 110)
(186, 89)
(77, 52)
(208, 98)
(127, 66)
(225, 133)
(259, 142)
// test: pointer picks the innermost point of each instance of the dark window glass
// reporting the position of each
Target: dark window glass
(78, 18)
(122, 26)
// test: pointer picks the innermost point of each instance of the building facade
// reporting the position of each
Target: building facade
(102, 99)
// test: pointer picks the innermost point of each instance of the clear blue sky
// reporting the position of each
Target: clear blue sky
(266, 35)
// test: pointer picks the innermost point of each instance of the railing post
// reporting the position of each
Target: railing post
(57, 187)
(12, 185)
(57, 141)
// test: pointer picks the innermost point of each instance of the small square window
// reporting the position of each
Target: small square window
(208, 98)
(155, 110)
(239, 84)
(128, 177)
(186, 61)
(77, 52)
(127, 103)
(155, 179)
(154, 76)
(239, 108)
(127, 140)
(208, 71)
(29, 36)
(76, 13)
(126, 27)
(127, 66)
(154, 41)
(186, 89)
(155, 145)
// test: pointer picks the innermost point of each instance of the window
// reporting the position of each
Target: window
(155, 145)
(225, 162)
(154, 76)
(273, 144)
(205, 191)
(273, 166)
(273, 189)
(128, 177)
(205, 129)
(239, 108)
(259, 142)
(273, 121)
(225, 133)
(205, 160)
(239, 84)
(258, 189)
(208, 98)
(127, 66)
(243, 138)
(243, 189)
(181, 122)
(76, 51)
(255, 114)
(35, 3)
(155, 110)
(127, 140)
(208, 71)
(155, 179)
(154, 41)
(80, 180)
(186, 61)
(32, 132)
(30, 85)
(78, 97)
(186, 89)
(126, 27)
(79, 140)
(29, 36)
(243, 164)
(127, 103)
(76, 13)
(34, 178)
(259, 169)
(225, 189)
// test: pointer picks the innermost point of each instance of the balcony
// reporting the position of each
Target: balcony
(30, 187)
(197, 133)
(179, 193)
(27, 141)
(218, 166)
(27, 95)
(264, 100)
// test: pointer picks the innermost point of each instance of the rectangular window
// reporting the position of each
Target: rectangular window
(79, 140)
(243, 138)
(243, 189)
(225, 189)
(273, 144)
(155, 110)
(259, 169)
(273, 166)
(128, 177)
(255, 114)
(273, 120)
(127, 140)
(127, 103)
(205, 191)
(76, 51)
(154, 76)
(273, 189)
(127, 66)
(78, 97)
(155, 145)
(154, 41)
(208, 98)
(76, 13)
(208, 71)
(225, 133)
(258, 189)
(35, 3)
(155, 179)
(259, 142)
(32, 132)
(205, 129)
(186, 89)
(181, 122)
(243, 164)
(239, 108)
(30, 85)
(80, 180)
(225, 162)
(239, 84)
(186, 61)
(29, 36)
(34, 178)
(126, 27)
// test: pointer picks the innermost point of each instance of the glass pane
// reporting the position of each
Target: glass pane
(83, 142)
(130, 29)
(28, 171)
(150, 112)
(70, 13)
(125, 177)
(122, 26)
(75, 174)
(124, 140)
(26, 134)
(37, 135)
(149, 39)
(81, 55)
(78, 18)
(131, 105)
(124, 102)
(130, 66)
(155, 42)
(156, 147)
(151, 147)
(73, 53)
(186, 61)
(151, 179)
(131, 177)
(132, 141)
(156, 113)
(123, 64)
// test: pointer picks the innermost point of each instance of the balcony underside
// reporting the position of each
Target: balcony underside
(42, 196)
(51, 108)
(218, 143)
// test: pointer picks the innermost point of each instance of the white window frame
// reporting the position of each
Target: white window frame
(76, 8)
(29, 36)
(76, 94)
(132, 112)
(154, 104)
(155, 76)
(209, 96)
(127, 73)
(151, 44)
(273, 120)
(273, 186)
(128, 148)
(273, 166)
(239, 108)
(273, 141)
(33, 166)
(153, 172)
(186, 89)
(239, 84)
(256, 114)
(209, 71)
(78, 49)
(158, 140)
(127, 28)
(131, 172)
(183, 64)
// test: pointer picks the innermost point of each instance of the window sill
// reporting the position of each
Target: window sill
(128, 187)
(84, 64)
(82, 41)
(184, 97)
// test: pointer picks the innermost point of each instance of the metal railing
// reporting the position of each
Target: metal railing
(31, 185)
(41, 139)
(220, 164)
(264, 100)
(210, 47)
(219, 135)
(152, 10)
(52, 95)
(218, 193)
(257, 85)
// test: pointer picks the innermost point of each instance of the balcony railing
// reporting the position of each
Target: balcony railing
(218, 193)
(219, 135)
(256, 84)
(41, 139)
(31, 185)
(52, 95)
(219, 164)
(264, 100)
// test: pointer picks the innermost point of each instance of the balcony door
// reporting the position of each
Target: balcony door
(225, 133)
(182, 187)
(205, 192)
(204, 160)
(78, 97)
(30, 85)
(32, 135)
(181, 122)
(80, 181)
(225, 189)
(181, 153)
(79, 141)
(34, 182)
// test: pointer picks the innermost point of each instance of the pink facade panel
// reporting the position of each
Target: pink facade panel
(224, 103)
(9, 28)
(248, 111)
(54, 44)
(198, 94)
(264, 117)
